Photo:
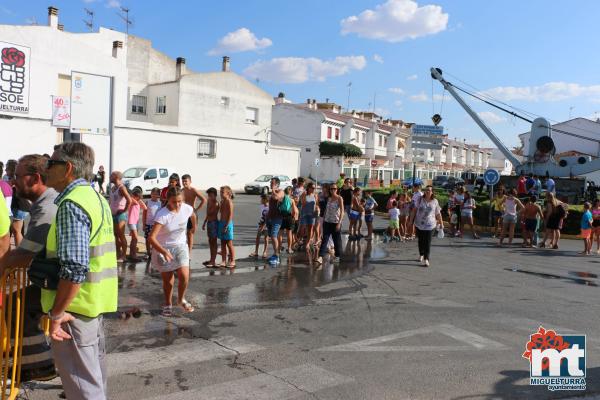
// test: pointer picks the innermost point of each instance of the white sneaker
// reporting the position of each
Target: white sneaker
(421, 259)
(319, 260)
(426, 263)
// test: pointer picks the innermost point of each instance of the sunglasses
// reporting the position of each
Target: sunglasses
(50, 163)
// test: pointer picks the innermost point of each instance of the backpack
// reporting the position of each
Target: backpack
(285, 206)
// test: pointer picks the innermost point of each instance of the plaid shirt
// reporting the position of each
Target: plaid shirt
(73, 227)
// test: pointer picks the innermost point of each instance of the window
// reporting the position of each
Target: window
(357, 133)
(161, 104)
(337, 133)
(380, 141)
(363, 138)
(252, 115)
(328, 132)
(385, 141)
(138, 105)
(163, 173)
(151, 174)
(69, 136)
(224, 101)
(206, 148)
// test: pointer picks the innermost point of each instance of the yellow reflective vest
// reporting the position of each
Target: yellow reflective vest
(98, 294)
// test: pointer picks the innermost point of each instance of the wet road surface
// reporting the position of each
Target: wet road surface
(375, 326)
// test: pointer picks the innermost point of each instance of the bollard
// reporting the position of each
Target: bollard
(12, 292)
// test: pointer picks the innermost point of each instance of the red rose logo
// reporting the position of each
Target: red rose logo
(12, 56)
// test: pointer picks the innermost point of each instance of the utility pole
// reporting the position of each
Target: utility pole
(89, 22)
(348, 104)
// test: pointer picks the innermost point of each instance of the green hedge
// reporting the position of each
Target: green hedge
(328, 148)
(571, 225)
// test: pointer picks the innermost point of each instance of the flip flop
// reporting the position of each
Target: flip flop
(187, 306)
(230, 265)
(208, 264)
(167, 311)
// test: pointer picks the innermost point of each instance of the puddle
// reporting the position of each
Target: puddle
(564, 278)
(293, 281)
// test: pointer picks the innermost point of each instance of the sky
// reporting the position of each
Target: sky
(541, 57)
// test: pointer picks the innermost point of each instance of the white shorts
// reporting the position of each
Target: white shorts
(181, 258)
(132, 227)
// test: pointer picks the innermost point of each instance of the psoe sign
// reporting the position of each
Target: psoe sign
(14, 78)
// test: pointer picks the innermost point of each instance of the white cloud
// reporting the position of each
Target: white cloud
(412, 77)
(378, 58)
(241, 40)
(396, 90)
(551, 91)
(421, 97)
(396, 20)
(490, 117)
(398, 103)
(113, 4)
(439, 97)
(298, 69)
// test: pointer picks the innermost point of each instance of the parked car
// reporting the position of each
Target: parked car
(262, 184)
(447, 182)
(146, 178)
(409, 181)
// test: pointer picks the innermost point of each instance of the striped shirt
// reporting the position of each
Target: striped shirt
(73, 227)
(42, 213)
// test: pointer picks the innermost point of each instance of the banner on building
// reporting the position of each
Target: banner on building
(61, 111)
(14, 78)
(90, 103)
(427, 130)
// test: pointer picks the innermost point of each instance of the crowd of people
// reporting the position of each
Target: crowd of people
(75, 238)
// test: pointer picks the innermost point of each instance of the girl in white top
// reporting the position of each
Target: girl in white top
(152, 207)
(426, 215)
(170, 252)
(466, 212)
(509, 220)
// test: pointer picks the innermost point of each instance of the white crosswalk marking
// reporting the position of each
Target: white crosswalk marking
(189, 351)
(281, 384)
(469, 341)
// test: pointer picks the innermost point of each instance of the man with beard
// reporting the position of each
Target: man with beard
(30, 183)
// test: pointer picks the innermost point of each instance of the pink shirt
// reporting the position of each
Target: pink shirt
(134, 213)
(116, 199)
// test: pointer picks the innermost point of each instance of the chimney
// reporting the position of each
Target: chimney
(180, 69)
(61, 27)
(53, 17)
(225, 65)
(117, 48)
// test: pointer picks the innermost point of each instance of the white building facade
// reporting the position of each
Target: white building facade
(455, 158)
(382, 142)
(213, 126)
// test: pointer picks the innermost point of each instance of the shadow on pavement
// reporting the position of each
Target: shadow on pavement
(507, 388)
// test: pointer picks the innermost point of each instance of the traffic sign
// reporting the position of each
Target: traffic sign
(491, 176)
(374, 163)
(317, 162)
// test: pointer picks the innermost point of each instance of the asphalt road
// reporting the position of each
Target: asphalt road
(376, 326)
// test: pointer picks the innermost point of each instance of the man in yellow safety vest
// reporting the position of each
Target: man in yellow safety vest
(81, 240)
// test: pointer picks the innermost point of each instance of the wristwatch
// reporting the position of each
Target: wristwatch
(55, 317)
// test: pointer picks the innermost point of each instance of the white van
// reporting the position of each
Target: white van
(146, 178)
